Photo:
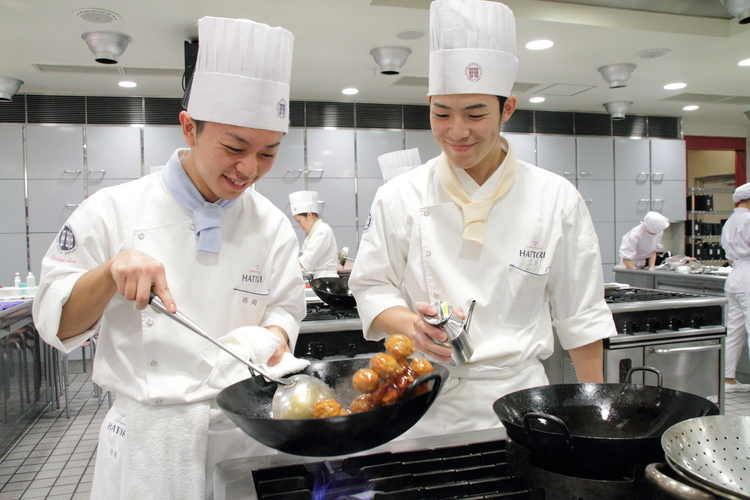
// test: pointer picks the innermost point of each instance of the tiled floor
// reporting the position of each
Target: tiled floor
(54, 460)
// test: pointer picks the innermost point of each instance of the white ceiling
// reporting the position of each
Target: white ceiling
(333, 39)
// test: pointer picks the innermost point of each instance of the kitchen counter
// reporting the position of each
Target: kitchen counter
(662, 279)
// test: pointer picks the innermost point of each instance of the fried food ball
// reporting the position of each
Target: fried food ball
(385, 365)
(421, 366)
(365, 381)
(361, 403)
(399, 346)
(327, 408)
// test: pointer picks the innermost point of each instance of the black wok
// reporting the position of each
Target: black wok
(248, 405)
(598, 430)
(334, 291)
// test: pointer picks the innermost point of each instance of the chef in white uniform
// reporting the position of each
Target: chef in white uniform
(735, 239)
(195, 234)
(478, 224)
(398, 162)
(640, 244)
(319, 252)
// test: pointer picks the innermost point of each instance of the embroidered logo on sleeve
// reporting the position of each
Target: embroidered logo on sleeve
(66, 240)
(368, 223)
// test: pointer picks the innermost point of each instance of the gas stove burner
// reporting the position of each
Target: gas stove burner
(324, 312)
(643, 294)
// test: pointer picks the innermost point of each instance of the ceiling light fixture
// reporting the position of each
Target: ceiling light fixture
(616, 74)
(739, 9)
(107, 46)
(350, 91)
(8, 87)
(391, 58)
(675, 86)
(652, 53)
(539, 44)
(617, 109)
(690, 108)
(536, 99)
(744, 62)
(747, 113)
(127, 84)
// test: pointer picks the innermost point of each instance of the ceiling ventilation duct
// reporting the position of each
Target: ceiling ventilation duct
(390, 59)
(617, 109)
(617, 74)
(739, 9)
(107, 46)
(8, 87)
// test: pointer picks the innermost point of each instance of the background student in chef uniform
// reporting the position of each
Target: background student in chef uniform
(207, 244)
(398, 162)
(735, 239)
(319, 250)
(640, 244)
(475, 223)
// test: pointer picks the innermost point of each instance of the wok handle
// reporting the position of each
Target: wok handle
(543, 416)
(416, 383)
(158, 305)
(675, 489)
(659, 377)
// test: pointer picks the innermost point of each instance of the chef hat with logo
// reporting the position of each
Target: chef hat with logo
(242, 74)
(654, 222)
(741, 193)
(472, 48)
(303, 202)
(397, 162)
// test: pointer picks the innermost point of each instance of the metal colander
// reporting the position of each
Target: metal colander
(712, 451)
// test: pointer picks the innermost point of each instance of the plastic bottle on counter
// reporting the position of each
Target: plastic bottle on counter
(17, 280)
(30, 279)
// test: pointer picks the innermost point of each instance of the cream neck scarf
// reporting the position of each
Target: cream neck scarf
(312, 230)
(476, 212)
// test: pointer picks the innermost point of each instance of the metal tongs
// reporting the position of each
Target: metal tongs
(158, 305)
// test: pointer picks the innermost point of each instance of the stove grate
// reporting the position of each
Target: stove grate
(474, 471)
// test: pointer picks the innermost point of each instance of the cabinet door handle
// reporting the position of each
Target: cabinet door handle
(653, 350)
(71, 205)
(292, 171)
(69, 171)
(659, 200)
(569, 174)
(645, 200)
(96, 172)
(655, 174)
(644, 174)
(315, 170)
(588, 201)
(585, 174)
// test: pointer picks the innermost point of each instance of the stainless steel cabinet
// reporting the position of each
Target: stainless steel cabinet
(159, 142)
(370, 145)
(290, 159)
(524, 146)
(595, 158)
(557, 153)
(11, 152)
(424, 141)
(112, 153)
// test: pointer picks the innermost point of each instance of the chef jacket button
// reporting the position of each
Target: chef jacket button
(435, 295)
(157, 402)
(428, 253)
(154, 363)
(141, 236)
(192, 227)
(426, 213)
(150, 322)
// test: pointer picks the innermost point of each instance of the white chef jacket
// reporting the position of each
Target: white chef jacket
(735, 240)
(142, 355)
(638, 245)
(540, 254)
(320, 252)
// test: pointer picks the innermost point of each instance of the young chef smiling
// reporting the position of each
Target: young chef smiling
(196, 235)
(476, 224)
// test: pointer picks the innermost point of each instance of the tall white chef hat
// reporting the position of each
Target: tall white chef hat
(472, 48)
(655, 222)
(303, 202)
(397, 162)
(242, 74)
(741, 193)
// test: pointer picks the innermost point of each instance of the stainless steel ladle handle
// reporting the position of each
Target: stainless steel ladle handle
(158, 305)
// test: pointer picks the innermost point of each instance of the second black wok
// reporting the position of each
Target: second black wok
(334, 291)
(248, 405)
(597, 429)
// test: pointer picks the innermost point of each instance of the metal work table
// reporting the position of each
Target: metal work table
(662, 279)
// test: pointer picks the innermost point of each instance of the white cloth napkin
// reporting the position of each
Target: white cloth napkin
(251, 342)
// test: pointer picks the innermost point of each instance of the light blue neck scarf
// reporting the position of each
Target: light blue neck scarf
(206, 216)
